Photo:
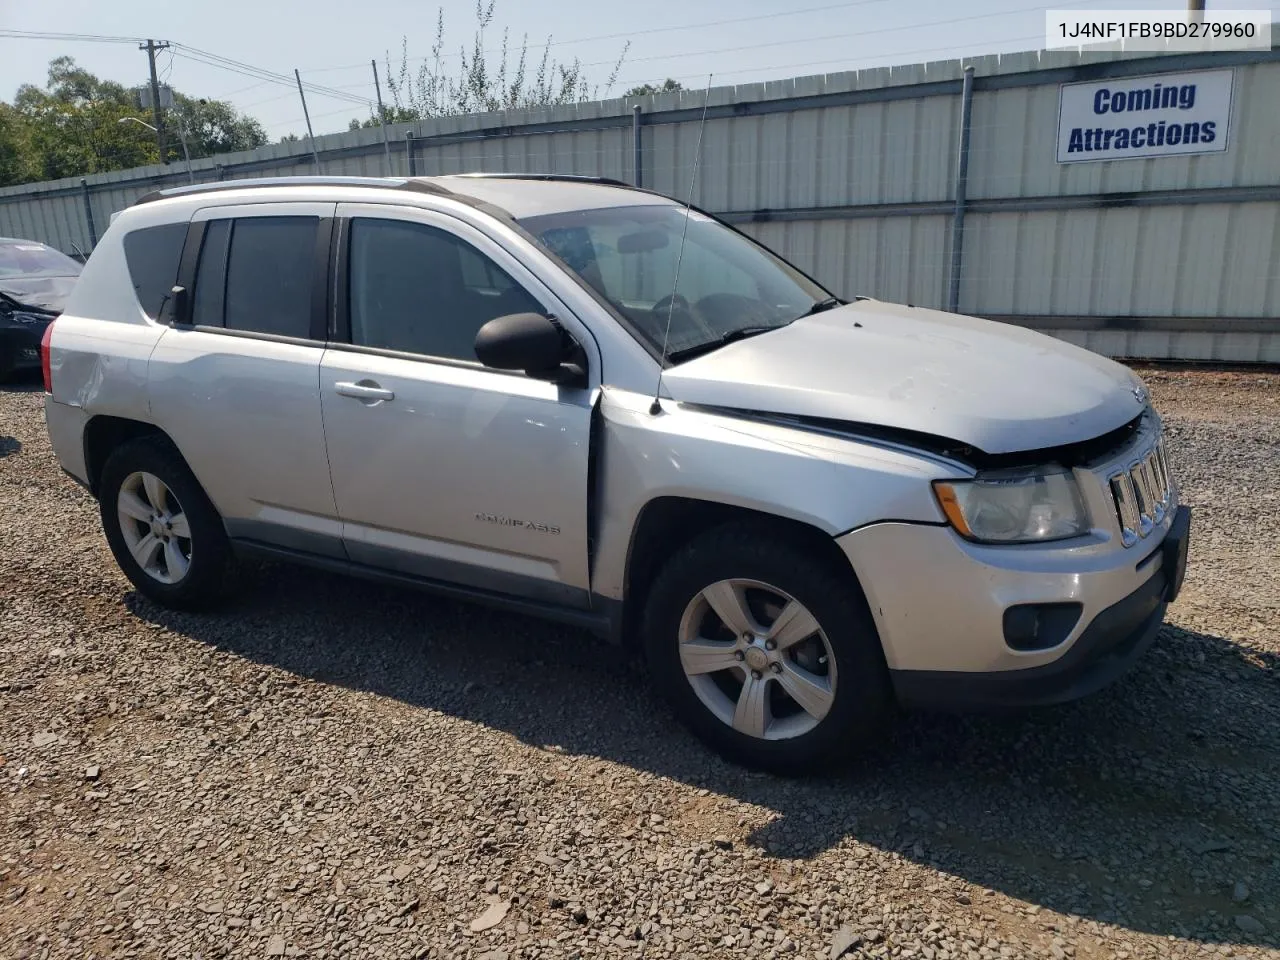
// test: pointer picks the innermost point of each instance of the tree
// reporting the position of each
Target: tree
(482, 86)
(72, 128)
(214, 126)
(15, 148)
(394, 115)
(645, 89)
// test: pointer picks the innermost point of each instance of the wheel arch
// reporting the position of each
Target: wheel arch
(103, 434)
(667, 523)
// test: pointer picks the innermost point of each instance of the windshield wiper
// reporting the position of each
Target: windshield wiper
(698, 349)
(822, 306)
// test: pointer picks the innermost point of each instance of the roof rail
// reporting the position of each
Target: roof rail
(570, 177)
(248, 183)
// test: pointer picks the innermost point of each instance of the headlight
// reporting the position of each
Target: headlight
(1015, 509)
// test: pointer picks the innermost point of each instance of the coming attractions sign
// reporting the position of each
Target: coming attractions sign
(1133, 118)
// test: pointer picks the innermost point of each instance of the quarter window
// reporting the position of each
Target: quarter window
(417, 289)
(152, 255)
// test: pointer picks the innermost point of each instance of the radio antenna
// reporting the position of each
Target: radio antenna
(656, 407)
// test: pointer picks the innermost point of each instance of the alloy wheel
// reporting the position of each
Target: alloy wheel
(154, 527)
(757, 659)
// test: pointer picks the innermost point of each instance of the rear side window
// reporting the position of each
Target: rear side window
(152, 254)
(255, 274)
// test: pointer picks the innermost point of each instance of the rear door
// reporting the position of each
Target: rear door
(235, 382)
(441, 467)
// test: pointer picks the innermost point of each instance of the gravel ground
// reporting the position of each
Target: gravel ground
(329, 768)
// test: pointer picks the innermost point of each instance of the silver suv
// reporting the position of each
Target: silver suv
(580, 400)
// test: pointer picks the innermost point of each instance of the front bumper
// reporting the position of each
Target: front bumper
(939, 603)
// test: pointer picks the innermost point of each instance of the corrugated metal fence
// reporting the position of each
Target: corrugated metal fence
(854, 177)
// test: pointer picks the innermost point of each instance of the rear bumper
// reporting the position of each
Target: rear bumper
(66, 424)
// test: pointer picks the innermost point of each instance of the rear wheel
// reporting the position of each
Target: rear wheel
(162, 529)
(766, 651)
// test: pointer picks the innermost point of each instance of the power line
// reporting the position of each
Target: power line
(267, 76)
(190, 53)
(232, 93)
(255, 103)
(319, 88)
(247, 70)
(837, 36)
(79, 37)
(636, 33)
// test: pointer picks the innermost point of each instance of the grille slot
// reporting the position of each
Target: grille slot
(1143, 494)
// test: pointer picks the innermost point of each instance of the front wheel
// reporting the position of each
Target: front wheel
(767, 651)
(161, 527)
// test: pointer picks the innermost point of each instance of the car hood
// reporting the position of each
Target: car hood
(47, 294)
(992, 386)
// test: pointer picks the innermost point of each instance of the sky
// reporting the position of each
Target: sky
(332, 42)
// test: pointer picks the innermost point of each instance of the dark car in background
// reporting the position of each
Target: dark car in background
(35, 280)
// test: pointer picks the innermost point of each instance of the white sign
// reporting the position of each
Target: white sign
(1130, 118)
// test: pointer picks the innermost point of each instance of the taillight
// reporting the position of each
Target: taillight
(44, 358)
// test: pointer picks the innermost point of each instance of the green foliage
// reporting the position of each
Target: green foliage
(479, 85)
(645, 89)
(15, 148)
(213, 126)
(394, 115)
(73, 127)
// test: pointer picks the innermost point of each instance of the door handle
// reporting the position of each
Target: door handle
(368, 391)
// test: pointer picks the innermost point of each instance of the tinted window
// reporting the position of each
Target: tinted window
(211, 275)
(152, 254)
(422, 290)
(269, 263)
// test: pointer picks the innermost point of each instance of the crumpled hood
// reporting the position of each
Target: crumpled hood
(48, 294)
(993, 386)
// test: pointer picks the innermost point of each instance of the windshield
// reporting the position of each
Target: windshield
(728, 286)
(26, 259)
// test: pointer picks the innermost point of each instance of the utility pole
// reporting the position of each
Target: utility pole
(315, 157)
(382, 115)
(1195, 11)
(152, 49)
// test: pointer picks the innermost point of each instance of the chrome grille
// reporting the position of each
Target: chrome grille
(1143, 494)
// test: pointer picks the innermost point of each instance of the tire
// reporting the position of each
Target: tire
(769, 568)
(206, 552)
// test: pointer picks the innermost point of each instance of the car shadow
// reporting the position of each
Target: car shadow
(1142, 806)
(24, 381)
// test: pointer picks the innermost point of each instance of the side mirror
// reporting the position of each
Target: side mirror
(532, 343)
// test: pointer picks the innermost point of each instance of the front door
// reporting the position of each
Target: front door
(442, 468)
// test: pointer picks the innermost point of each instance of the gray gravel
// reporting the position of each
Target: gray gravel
(334, 769)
